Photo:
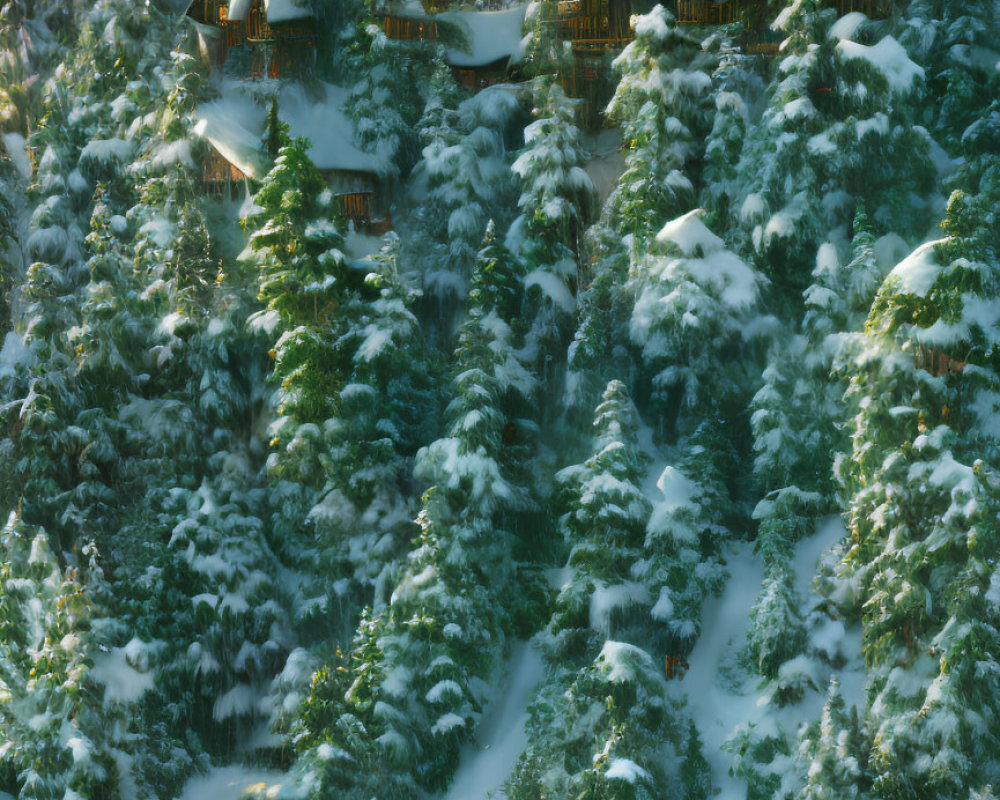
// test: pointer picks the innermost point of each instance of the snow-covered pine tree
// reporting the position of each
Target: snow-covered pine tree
(462, 180)
(557, 200)
(832, 137)
(544, 52)
(387, 409)
(737, 89)
(604, 525)
(598, 722)
(940, 36)
(662, 102)
(599, 347)
(388, 100)
(925, 374)
(57, 737)
(836, 753)
(422, 660)
(695, 319)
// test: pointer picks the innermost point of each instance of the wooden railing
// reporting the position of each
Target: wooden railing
(705, 12)
(258, 29)
(756, 47)
(594, 32)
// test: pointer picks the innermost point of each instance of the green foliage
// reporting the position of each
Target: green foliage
(661, 103)
(689, 319)
(55, 735)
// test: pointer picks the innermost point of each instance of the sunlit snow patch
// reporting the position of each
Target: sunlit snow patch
(240, 783)
(918, 272)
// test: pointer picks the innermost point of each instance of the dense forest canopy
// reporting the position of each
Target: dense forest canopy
(288, 478)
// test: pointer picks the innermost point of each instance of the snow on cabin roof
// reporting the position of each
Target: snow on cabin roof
(491, 35)
(278, 11)
(224, 124)
(275, 11)
(329, 129)
(238, 10)
(234, 125)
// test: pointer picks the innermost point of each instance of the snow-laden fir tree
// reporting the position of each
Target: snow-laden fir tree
(662, 102)
(557, 200)
(695, 320)
(942, 37)
(836, 133)
(737, 90)
(545, 53)
(598, 725)
(835, 749)
(797, 416)
(604, 526)
(388, 100)
(462, 180)
(57, 735)
(926, 386)
(422, 660)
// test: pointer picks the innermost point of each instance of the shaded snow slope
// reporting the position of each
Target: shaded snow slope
(715, 709)
(722, 697)
(485, 765)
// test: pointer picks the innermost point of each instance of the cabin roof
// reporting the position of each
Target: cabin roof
(276, 11)
(234, 125)
(492, 35)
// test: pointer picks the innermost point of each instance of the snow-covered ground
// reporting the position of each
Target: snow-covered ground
(487, 763)
(230, 783)
(715, 708)
(607, 161)
(718, 701)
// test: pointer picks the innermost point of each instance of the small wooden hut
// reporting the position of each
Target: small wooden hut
(272, 37)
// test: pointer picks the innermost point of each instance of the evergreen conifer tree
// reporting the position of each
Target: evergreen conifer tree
(661, 101)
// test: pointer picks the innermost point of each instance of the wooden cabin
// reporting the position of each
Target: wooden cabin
(596, 31)
(215, 37)
(360, 195)
(409, 28)
(475, 79)
(478, 45)
(937, 363)
(587, 72)
(271, 22)
(221, 179)
(357, 207)
(590, 80)
(208, 12)
(707, 12)
(265, 38)
(873, 9)
(359, 210)
(595, 24)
